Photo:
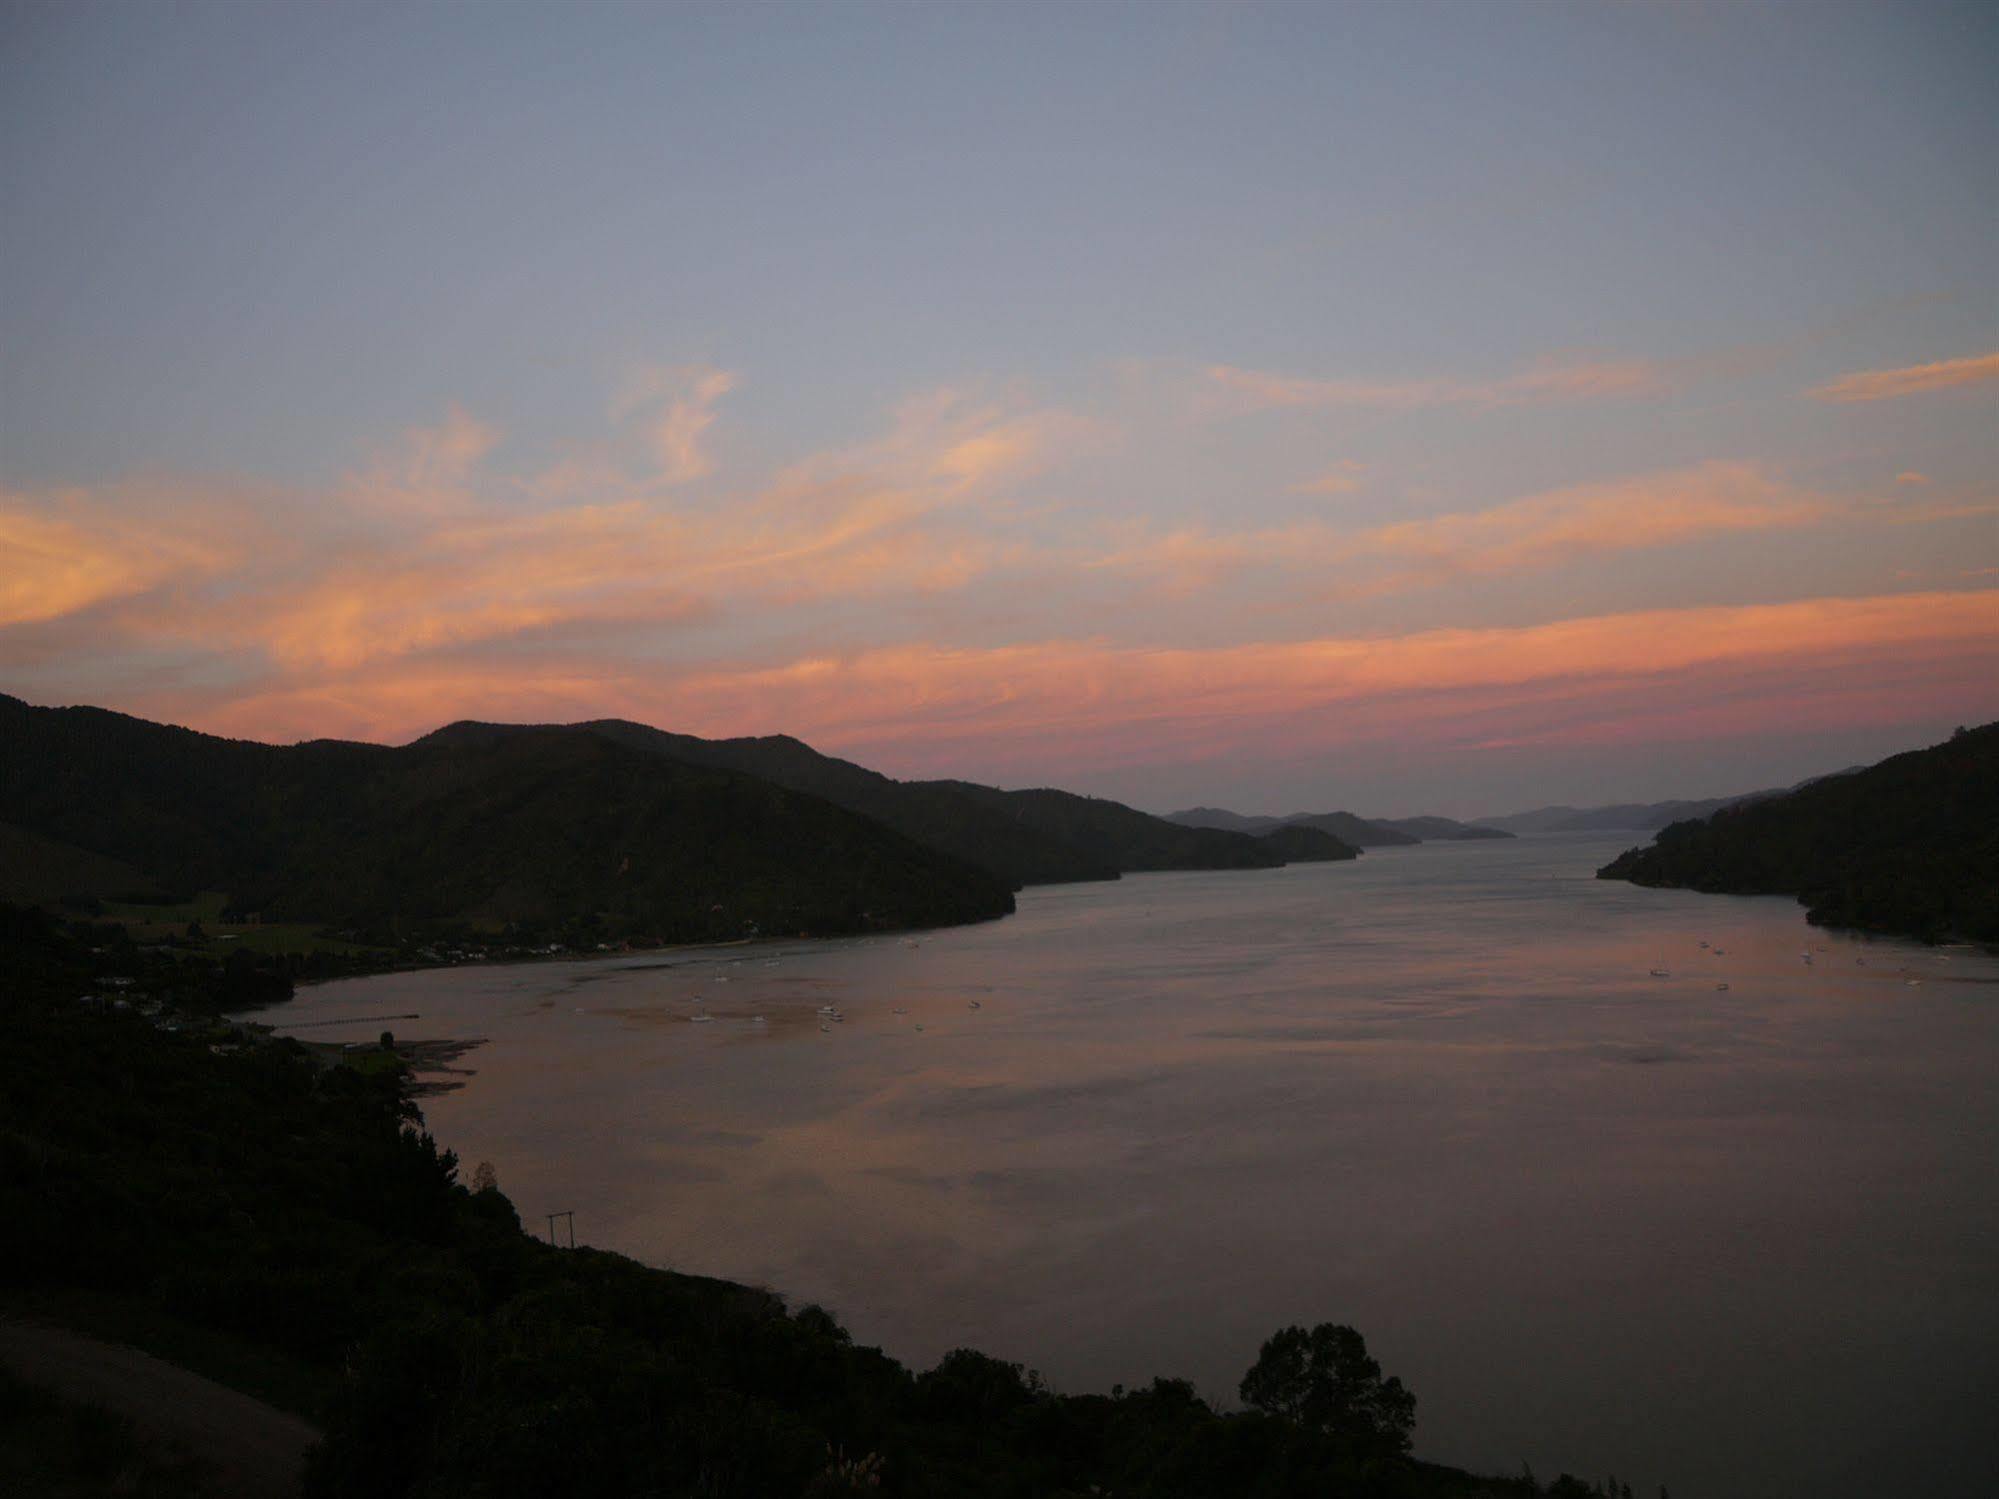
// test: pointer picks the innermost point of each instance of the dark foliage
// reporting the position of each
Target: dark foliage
(1303, 845)
(1325, 1379)
(1023, 837)
(560, 830)
(1909, 846)
(1360, 832)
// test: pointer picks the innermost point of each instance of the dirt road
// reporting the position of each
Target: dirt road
(252, 1450)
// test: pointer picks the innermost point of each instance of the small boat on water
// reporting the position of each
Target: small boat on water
(1720, 988)
(1661, 973)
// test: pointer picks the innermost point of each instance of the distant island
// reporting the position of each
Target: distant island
(1361, 832)
(1909, 846)
(1646, 817)
(588, 835)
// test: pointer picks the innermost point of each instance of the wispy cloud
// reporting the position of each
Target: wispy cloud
(1530, 534)
(73, 551)
(1097, 703)
(1341, 478)
(1544, 530)
(676, 404)
(423, 551)
(1911, 380)
(1554, 381)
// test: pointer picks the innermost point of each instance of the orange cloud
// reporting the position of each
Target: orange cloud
(1341, 478)
(685, 400)
(1524, 535)
(424, 552)
(1546, 529)
(73, 552)
(1549, 381)
(1911, 380)
(1090, 703)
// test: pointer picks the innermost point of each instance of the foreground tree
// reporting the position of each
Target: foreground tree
(1325, 1379)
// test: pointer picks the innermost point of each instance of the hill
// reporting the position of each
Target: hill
(1360, 832)
(550, 831)
(1021, 837)
(1647, 817)
(1909, 846)
(1296, 844)
(1441, 829)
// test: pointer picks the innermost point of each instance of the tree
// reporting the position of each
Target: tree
(485, 1178)
(1325, 1379)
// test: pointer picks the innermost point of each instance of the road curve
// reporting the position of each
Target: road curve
(252, 1450)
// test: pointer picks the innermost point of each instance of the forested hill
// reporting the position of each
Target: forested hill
(1022, 837)
(556, 832)
(1360, 832)
(1297, 844)
(1909, 846)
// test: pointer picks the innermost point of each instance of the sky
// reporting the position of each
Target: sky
(1407, 408)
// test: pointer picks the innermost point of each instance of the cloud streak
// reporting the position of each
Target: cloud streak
(1911, 380)
(1098, 704)
(1548, 382)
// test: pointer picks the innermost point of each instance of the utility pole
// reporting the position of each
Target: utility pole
(571, 1217)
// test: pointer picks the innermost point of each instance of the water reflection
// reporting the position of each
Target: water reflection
(1739, 1240)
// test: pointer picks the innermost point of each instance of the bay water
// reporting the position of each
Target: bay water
(1731, 1225)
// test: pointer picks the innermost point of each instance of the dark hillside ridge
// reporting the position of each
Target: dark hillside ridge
(1297, 844)
(1357, 831)
(1361, 832)
(541, 831)
(1021, 837)
(1638, 817)
(1909, 846)
(1441, 829)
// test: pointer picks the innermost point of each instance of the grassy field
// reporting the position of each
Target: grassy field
(149, 923)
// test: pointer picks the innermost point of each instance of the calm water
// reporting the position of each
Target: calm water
(1743, 1242)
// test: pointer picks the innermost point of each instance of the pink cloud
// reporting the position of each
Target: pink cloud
(1542, 383)
(1911, 380)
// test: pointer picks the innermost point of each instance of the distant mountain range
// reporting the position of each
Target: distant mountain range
(1908, 846)
(612, 828)
(1362, 832)
(1617, 817)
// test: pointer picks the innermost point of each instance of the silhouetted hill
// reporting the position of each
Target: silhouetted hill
(546, 829)
(1360, 832)
(1297, 844)
(1440, 829)
(1645, 817)
(1908, 846)
(1023, 837)
(936, 814)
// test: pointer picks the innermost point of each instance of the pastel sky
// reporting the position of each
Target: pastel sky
(1413, 407)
